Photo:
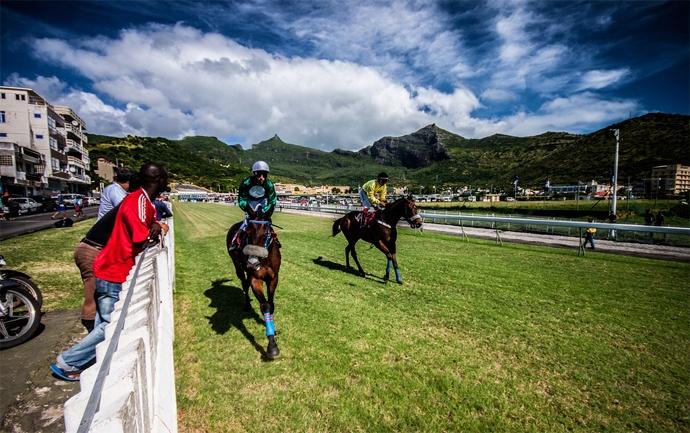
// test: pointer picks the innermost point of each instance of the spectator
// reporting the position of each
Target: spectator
(649, 218)
(659, 219)
(114, 193)
(84, 255)
(589, 235)
(135, 228)
(60, 209)
(162, 208)
(78, 202)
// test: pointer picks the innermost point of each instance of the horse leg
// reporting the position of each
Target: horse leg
(390, 258)
(272, 350)
(347, 256)
(245, 282)
(257, 287)
(354, 256)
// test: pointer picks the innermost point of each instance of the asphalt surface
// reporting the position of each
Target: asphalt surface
(31, 399)
(35, 222)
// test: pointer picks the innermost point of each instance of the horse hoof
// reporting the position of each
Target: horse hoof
(386, 277)
(272, 351)
(362, 274)
(399, 282)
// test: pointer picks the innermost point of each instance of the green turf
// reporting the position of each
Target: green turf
(479, 338)
(48, 257)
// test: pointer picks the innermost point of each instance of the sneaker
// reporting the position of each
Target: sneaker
(69, 376)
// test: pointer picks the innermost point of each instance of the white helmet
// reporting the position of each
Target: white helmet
(260, 166)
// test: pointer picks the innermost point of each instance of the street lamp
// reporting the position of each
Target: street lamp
(616, 132)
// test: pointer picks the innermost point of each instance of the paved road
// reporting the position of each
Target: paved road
(31, 399)
(32, 223)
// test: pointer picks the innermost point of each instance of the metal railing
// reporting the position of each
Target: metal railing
(612, 231)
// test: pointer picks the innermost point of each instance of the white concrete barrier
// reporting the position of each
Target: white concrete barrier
(131, 387)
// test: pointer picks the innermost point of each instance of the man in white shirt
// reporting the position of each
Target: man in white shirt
(114, 193)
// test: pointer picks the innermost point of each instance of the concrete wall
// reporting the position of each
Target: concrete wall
(131, 387)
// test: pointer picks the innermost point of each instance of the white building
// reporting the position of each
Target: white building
(39, 153)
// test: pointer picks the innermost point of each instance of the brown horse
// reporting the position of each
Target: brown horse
(382, 232)
(258, 262)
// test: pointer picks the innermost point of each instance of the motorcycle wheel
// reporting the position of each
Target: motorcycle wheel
(31, 287)
(21, 318)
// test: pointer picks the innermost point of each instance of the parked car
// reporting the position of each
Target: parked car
(48, 204)
(26, 205)
(68, 199)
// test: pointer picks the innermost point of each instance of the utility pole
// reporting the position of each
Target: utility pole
(616, 132)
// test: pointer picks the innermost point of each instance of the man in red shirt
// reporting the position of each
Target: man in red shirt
(135, 229)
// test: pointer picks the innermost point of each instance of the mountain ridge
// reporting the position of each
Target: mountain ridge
(428, 156)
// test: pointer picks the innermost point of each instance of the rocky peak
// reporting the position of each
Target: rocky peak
(419, 149)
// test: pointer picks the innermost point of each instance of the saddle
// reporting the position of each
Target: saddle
(366, 218)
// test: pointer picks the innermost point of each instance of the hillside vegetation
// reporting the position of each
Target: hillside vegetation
(430, 156)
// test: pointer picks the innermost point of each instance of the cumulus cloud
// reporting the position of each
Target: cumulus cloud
(175, 80)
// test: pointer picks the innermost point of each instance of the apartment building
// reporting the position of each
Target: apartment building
(671, 179)
(41, 145)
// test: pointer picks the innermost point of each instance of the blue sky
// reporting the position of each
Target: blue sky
(341, 74)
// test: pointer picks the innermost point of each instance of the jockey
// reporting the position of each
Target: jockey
(373, 193)
(256, 197)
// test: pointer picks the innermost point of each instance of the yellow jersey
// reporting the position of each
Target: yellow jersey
(375, 192)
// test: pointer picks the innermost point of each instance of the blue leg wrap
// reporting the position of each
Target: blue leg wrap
(397, 275)
(270, 327)
(388, 266)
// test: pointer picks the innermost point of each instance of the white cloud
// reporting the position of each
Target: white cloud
(499, 95)
(598, 79)
(175, 80)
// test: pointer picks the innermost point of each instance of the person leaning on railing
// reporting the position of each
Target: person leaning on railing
(135, 228)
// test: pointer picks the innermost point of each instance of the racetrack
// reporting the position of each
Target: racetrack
(479, 338)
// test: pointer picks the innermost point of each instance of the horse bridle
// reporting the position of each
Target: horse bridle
(413, 218)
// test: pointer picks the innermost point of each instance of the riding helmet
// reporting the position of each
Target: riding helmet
(260, 166)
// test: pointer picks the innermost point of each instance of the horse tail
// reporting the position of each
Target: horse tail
(336, 226)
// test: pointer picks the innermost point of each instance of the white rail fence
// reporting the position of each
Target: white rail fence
(131, 387)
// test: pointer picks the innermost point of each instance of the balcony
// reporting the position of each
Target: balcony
(21, 175)
(76, 162)
(8, 171)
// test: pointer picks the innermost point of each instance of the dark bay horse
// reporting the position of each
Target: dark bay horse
(258, 262)
(382, 232)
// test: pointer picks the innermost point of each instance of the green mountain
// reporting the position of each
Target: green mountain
(430, 157)
(204, 161)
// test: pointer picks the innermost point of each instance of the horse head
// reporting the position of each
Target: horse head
(259, 238)
(406, 208)
(411, 214)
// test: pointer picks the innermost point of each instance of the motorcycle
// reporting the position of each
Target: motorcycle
(20, 312)
(23, 280)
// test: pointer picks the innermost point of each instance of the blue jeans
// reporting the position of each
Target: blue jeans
(364, 199)
(81, 354)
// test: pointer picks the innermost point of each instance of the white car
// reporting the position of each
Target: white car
(26, 205)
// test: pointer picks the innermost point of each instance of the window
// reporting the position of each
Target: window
(6, 160)
(2, 117)
(3, 134)
(39, 136)
(37, 115)
(2, 96)
(23, 97)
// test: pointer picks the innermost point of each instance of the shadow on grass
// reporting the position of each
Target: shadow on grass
(342, 268)
(228, 300)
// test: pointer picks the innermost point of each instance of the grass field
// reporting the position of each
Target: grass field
(479, 338)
